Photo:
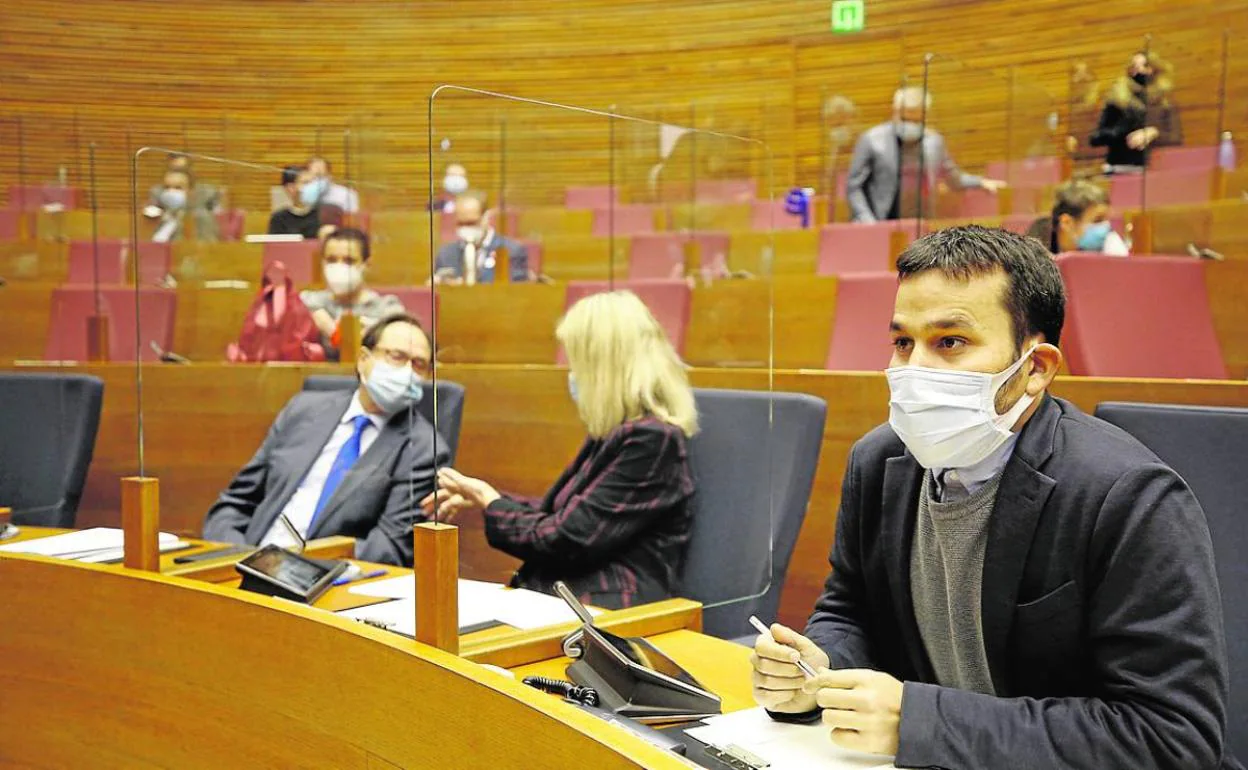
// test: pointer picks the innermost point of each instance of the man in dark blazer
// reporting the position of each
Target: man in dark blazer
(472, 257)
(352, 463)
(1014, 583)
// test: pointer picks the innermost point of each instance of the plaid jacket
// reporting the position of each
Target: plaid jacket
(613, 527)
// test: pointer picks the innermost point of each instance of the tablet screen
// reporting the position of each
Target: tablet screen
(287, 569)
(648, 657)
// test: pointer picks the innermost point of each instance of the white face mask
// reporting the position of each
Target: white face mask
(455, 183)
(948, 418)
(343, 279)
(470, 233)
(908, 130)
(393, 387)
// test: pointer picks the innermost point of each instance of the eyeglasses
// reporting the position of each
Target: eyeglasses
(399, 358)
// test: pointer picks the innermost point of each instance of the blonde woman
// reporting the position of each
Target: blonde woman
(1139, 114)
(615, 525)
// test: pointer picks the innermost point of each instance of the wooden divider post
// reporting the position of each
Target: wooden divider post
(436, 563)
(140, 522)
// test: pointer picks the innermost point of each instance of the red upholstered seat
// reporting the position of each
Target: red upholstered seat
(623, 220)
(1138, 317)
(1161, 188)
(114, 265)
(591, 197)
(864, 309)
(420, 301)
(662, 255)
(668, 300)
(300, 258)
(73, 304)
(858, 248)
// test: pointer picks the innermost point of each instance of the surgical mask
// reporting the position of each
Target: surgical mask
(948, 418)
(310, 192)
(393, 387)
(1093, 236)
(908, 130)
(455, 183)
(343, 279)
(172, 200)
(576, 397)
(470, 233)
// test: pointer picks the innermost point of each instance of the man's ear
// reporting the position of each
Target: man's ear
(1045, 362)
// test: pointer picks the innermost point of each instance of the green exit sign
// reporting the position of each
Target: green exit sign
(848, 15)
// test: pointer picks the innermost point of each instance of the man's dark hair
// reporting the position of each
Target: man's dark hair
(373, 335)
(1035, 297)
(353, 234)
(290, 174)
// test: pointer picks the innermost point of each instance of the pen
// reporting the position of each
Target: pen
(342, 581)
(803, 665)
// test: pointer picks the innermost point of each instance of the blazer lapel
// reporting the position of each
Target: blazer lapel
(902, 479)
(387, 443)
(1015, 514)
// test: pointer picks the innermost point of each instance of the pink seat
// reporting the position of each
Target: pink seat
(1138, 317)
(860, 335)
(154, 262)
(1028, 172)
(420, 301)
(72, 305)
(668, 300)
(858, 248)
(32, 197)
(977, 202)
(301, 259)
(726, 190)
(626, 220)
(230, 224)
(1183, 158)
(10, 223)
(770, 215)
(662, 255)
(1162, 188)
(591, 197)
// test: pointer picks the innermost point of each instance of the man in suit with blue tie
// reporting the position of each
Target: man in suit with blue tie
(352, 463)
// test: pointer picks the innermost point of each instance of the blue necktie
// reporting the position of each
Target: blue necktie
(347, 456)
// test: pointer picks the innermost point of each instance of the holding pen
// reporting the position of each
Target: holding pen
(802, 665)
(349, 578)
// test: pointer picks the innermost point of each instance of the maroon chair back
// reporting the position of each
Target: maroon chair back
(662, 255)
(849, 248)
(300, 258)
(591, 197)
(770, 215)
(73, 305)
(115, 267)
(420, 301)
(1161, 188)
(1201, 158)
(631, 219)
(32, 197)
(10, 223)
(668, 299)
(230, 224)
(1138, 317)
(860, 337)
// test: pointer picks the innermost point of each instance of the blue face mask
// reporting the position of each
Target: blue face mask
(393, 387)
(572, 387)
(1093, 236)
(310, 192)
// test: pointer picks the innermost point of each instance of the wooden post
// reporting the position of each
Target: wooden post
(1005, 201)
(98, 348)
(502, 265)
(1218, 187)
(1141, 226)
(437, 585)
(140, 522)
(348, 339)
(898, 240)
(693, 256)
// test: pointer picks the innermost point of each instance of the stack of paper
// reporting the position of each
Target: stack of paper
(783, 746)
(478, 603)
(96, 545)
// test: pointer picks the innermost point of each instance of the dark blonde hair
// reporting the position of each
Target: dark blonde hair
(1126, 94)
(1073, 198)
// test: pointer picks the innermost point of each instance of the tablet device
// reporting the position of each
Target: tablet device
(275, 571)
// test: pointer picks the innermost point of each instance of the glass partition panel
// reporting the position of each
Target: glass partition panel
(581, 420)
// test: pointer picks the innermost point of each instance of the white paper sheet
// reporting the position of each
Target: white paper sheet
(785, 746)
(519, 607)
(399, 615)
(90, 545)
(525, 609)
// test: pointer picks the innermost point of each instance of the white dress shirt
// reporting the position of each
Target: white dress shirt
(343, 197)
(953, 484)
(302, 504)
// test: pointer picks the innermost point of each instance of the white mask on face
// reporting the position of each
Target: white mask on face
(343, 279)
(948, 418)
(908, 130)
(393, 387)
(455, 183)
(470, 233)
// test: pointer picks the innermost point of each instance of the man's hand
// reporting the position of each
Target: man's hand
(1142, 137)
(992, 185)
(862, 707)
(777, 679)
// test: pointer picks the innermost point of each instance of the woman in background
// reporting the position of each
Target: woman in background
(1079, 221)
(615, 525)
(1138, 114)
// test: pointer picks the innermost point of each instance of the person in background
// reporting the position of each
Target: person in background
(364, 479)
(616, 524)
(177, 195)
(1013, 582)
(1079, 222)
(1139, 114)
(344, 261)
(884, 171)
(471, 258)
(330, 193)
(454, 184)
(300, 217)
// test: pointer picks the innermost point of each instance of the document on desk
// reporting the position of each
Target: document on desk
(98, 544)
(516, 607)
(784, 746)
(399, 616)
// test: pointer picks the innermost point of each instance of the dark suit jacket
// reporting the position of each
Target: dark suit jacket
(451, 259)
(1101, 611)
(613, 527)
(376, 501)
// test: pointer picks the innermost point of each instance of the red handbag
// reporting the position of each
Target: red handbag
(278, 326)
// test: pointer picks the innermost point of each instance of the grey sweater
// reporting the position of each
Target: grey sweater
(946, 581)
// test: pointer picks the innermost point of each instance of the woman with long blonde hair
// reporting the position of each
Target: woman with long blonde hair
(1139, 114)
(615, 525)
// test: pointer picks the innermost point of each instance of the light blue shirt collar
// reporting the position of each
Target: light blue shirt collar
(958, 483)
